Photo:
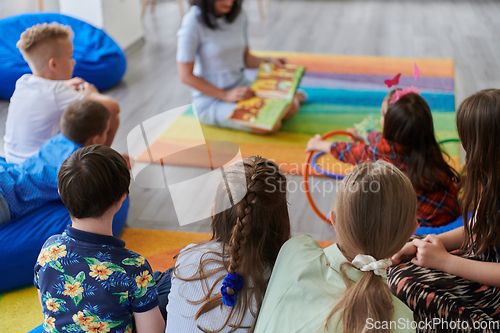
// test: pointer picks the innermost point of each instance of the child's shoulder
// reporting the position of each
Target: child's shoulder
(301, 243)
(193, 16)
(28, 81)
(121, 256)
(55, 150)
(121, 260)
(41, 90)
(55, 240)
(194, 252)
(131, 258)
(298, 251)
(55, 248)
(374, 136)
(112, 250)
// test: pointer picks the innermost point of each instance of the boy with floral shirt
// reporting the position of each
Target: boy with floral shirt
(87, 280)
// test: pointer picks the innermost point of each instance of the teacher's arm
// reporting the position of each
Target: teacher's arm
(186, 75)
(252, 61)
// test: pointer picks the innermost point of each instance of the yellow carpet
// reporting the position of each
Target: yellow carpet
(20, 310)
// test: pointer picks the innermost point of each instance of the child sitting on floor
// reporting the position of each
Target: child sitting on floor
(40, 98)
(218, 286)
(342, 288)
(408, 142)
(86, 279)
(444, 288)
(32, 183)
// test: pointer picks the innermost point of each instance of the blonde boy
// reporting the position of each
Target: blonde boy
(40, 98)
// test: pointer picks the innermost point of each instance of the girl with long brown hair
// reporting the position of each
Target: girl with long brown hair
(447, 288)
(408, 141)
(218, 286)
(342, 288)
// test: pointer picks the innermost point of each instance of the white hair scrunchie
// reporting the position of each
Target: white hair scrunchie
(367, 263)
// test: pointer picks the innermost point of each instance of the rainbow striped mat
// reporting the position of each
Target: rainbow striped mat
(342, 91)
(20, 309)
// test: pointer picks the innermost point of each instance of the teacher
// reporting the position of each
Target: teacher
(212, 53)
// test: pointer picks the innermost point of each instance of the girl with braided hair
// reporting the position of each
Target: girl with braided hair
(342, 288)
(219, 285)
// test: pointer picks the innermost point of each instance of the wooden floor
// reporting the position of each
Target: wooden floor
(466, 31)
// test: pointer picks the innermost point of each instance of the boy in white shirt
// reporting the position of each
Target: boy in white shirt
(40, 98)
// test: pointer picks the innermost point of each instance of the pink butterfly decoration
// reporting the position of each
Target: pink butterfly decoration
(393, 81)
(416, 72)
(405, 91)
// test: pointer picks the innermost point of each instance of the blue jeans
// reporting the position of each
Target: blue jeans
(163, 285)
(4, 210)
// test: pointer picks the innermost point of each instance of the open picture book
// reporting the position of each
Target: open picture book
(274, 91)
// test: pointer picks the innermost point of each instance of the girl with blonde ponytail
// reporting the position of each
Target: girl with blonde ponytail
(343, 287)
(219, 285)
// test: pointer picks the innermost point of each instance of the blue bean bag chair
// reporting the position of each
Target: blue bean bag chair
(22, 239)
(99, 60)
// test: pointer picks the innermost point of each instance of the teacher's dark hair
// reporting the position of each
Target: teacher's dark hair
(208, 11)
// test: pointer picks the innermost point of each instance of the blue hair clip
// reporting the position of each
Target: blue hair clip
(232, 283)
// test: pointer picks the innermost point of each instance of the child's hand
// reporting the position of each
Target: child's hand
(238, 94)
(355, 135)
(431, 253)
(316, 143)
(407, 253)
(74, 83)
(88, 89)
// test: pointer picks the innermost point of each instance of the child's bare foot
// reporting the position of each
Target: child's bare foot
(301, 96)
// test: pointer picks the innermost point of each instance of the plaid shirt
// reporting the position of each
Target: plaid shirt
(434, 209)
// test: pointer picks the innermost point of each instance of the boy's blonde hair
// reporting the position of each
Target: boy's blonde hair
(375, 210)
(38, 43)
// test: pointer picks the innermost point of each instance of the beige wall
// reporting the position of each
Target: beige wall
(14, 7)
(119, 18)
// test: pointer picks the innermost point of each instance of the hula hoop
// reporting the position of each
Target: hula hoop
(448, 140)
(305, 173)
(311, 160)
(314, 162)
(324, 172)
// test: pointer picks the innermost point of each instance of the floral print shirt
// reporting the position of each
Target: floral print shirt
(91, 283)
